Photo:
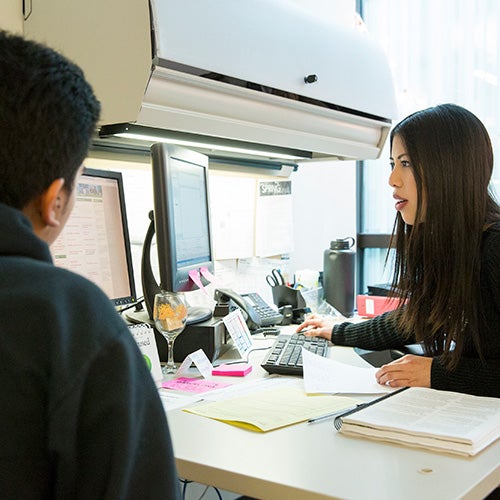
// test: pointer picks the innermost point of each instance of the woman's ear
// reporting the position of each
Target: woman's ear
(52, 202)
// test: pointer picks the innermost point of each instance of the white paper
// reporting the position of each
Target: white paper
(326, 376)
(232, 205)
(199, 358)
(273, 222)
(251, 386)
(171, 400)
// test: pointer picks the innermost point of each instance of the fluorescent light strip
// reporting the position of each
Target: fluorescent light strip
(180, 142)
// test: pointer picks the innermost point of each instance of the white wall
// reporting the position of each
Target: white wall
(324, 209)
(11, 15)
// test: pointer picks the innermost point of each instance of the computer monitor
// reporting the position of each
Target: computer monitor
(95, 241)
(181, 221)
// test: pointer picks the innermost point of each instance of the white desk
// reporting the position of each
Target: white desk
(308, 461)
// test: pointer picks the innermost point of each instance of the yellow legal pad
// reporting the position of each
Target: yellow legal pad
(264, 411)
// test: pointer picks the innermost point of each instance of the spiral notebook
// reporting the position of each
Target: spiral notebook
(427, 418)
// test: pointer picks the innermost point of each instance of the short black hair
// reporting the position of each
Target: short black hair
(48, 113)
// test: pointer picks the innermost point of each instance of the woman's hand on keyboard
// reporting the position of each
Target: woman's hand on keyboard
(317, 326)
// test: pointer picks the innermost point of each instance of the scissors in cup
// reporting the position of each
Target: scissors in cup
(275, 278)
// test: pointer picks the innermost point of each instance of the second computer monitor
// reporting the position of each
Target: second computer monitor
(181, 215)
(95, 241)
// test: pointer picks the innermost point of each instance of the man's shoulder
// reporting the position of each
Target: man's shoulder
(66, 301)
(65, 285)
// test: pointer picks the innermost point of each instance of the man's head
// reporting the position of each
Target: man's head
(48, 113)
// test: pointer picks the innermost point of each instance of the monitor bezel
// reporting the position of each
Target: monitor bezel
(173, 277)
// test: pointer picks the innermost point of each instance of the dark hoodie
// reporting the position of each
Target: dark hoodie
(80, 415)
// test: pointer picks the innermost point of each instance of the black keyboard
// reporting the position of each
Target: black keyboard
(285, 356)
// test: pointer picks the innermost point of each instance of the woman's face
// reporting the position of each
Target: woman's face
(403, 182)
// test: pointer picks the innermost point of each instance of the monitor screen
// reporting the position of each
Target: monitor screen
(181, 222)
(95, 241)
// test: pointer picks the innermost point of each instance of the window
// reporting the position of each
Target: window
(439, 52)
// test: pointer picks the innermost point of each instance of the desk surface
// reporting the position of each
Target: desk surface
(314, 461)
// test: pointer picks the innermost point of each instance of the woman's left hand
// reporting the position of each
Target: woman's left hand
(408, 371)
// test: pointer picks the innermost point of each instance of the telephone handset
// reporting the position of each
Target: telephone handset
(255, 310)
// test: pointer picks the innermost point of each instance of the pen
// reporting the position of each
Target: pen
(331, 415)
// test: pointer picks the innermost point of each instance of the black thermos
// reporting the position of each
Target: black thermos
(339, 264)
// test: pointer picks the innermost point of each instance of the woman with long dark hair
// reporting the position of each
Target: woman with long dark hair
(447, 264)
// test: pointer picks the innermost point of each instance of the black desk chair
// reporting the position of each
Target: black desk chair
(379, 358)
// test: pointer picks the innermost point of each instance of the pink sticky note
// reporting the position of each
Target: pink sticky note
(195, 385)
(208, 275)
(239, 370)
(195, 277)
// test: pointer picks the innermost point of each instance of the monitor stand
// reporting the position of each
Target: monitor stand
(209, 335)
(379, 358)
(198, 314)
(137, 317)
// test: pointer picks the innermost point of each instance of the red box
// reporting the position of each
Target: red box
(373, 305)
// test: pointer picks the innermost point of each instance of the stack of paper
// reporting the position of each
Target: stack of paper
(436, 420)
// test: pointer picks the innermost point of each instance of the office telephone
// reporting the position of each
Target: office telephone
(256, 311)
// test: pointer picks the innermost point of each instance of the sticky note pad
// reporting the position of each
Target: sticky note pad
(228, 370)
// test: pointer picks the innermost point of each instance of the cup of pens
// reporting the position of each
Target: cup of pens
(284, 295)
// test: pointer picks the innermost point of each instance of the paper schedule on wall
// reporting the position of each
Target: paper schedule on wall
(273, 220)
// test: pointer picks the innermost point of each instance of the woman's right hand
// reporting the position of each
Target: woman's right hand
(317, 326)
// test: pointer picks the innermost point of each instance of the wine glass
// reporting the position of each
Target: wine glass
(170, 314)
